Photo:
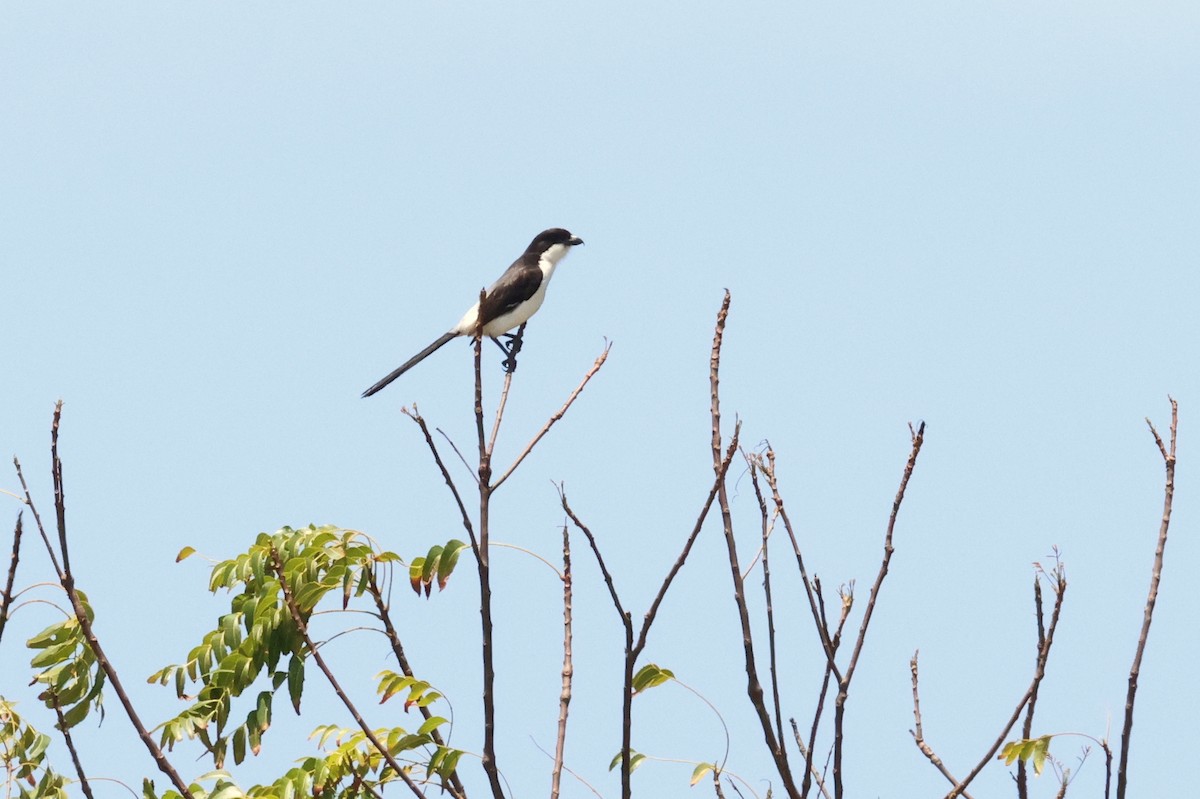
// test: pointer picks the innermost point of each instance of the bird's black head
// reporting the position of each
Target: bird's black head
(548, 238)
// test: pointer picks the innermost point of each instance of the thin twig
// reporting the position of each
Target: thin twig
(754, 690)
(6, 598)
(37, 518)
(1059, 582)
(70, 741)
(847, 597)
(813, 601)
(1152, 597)
(918, 438)
(298, 619)
(508, 376)
(454, 447)
(437, 457)
(67, 580)
(555, 416)
(568, 670)
(808, 764)
(60, 500)
(567, 769)
(718, 481)
(918, 732)
(633, 650)
(483, 567)
(766, 533)
(608, 580)
(1027, 728)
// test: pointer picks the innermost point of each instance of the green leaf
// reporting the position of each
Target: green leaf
(431, 724)
(431, 564)
(295, 680)
(700, 770)
(1040, 751)
(448, 763)
(415, 569)
(650, 676)
(54, 634)
(635, 760)
(449, 560)
(75, 714)
(186, 552)
(239, 745)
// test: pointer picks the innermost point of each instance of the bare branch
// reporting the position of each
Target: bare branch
(483, 567)
(491, 447)
(766, 534)
(768, 467)
(555, 417)
(918, 732)
(6, 598)
(754, 690)
(67, 580)
(84, 785)
(808, 762)
(835, 642)
(1027, 729)
(415, 415)
(454, 447)
(608, 580)
(1152, 597)
(1059, 582)
(718, 481)
(37, 518)
(568, 670)
(918, 438)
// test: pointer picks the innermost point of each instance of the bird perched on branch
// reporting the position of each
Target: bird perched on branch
(508, 303)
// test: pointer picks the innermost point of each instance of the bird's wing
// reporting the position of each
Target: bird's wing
(514, 287)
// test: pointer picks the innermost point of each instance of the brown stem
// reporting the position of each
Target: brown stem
(37, 518)
(491, 447)
(813, 600)
(809, 769)
(568, 670)
(808, 763)
(67, 580)
(1152, 597)
(462, 507)
(70, 741)
(774, 663)
(298, 619)
(918, 438)
(555, 417)
(7, 597)
(483, 566)
(633, 650)
(718, 481)
(754, 690)
(1059, 581)
(918, 733)
(1027, 728)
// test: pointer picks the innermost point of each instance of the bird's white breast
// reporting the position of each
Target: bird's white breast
(521, 314)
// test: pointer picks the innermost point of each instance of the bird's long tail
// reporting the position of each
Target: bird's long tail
(410, 363)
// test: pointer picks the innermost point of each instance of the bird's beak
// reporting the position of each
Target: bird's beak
(575, 240)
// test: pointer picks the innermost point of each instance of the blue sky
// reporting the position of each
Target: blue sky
(222, 221)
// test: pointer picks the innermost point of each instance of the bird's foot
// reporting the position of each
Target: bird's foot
(515, 341)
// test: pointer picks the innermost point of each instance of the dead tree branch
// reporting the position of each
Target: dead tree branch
(1168, 456)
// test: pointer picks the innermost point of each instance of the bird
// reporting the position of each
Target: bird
(508, 303)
